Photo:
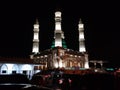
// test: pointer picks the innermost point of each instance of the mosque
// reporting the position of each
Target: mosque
(58, 56)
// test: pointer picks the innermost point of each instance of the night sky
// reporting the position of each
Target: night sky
(100, 18)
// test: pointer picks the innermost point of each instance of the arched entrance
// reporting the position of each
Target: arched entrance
(4, 69)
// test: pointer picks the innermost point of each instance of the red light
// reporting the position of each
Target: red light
(69, 80)
(60, 81)
(46, 76)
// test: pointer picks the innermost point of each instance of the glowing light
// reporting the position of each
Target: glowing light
(26, 67)
(35, 49)
(36, 36)
(81, 36)
(75, 55)
(60, 81)
(70, 81)
(80, 26)
(36, 26)
(110, 69)
(45, 55)
(9, 66)
(60, 64)
(57, 14)
(37, 71)
(86, 65)
(56, 65)
(82, 49)
(58, 26)
(58, 43)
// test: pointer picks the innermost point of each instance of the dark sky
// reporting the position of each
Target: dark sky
(100, 18)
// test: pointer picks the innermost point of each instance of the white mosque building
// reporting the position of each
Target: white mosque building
(58, 56)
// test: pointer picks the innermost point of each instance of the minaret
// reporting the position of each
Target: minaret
(81, 37)
(35, 48)
(58, 32)
(82, 48)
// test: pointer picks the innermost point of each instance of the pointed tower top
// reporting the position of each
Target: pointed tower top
(36, 21)
(80, 21)
(58, 7)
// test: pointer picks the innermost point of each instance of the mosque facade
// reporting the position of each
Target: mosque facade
(58, 56)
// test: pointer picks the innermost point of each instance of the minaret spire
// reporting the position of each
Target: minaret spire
(35, 48)
(58, 32)
(81, 37)
(82, 48)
